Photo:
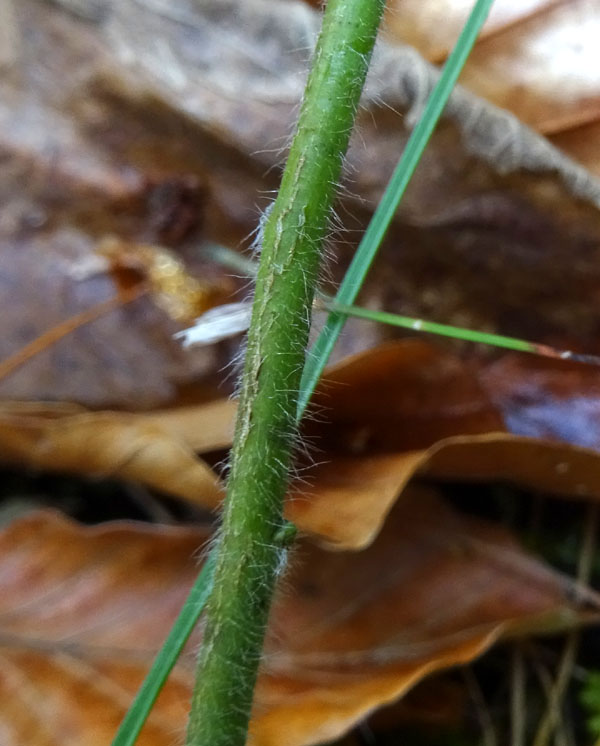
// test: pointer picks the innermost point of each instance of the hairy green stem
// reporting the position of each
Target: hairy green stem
(252, 543)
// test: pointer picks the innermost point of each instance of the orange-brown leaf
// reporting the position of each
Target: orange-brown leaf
(406, 409)
(82, 611)
(401, 410)
(116, 445)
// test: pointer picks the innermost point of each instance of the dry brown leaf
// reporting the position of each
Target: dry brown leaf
(418, 22)
(377, 411)
(535, 58)
(543, 466)
(83, 607)
(581, 143)
(401, 410)
(62, 194)
(406, 409)
(174, 290)
(545, 399)
(204, 427)
(171, 148)
(348, 499)
(399, 396)
(541, 69)
(52, 276)
(83, 610)
(116, 445)
(351, 606)
(127, 357)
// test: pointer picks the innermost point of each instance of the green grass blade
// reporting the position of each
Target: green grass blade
(147, 695)
(459, 332)
(247, 267)
(444, 330)
(367, 249)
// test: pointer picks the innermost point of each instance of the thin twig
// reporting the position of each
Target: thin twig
(518, 702)
(568, 657)
(58, 332)
(486, 722)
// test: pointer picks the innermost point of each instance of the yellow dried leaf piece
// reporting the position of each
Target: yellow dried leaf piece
(182, 296)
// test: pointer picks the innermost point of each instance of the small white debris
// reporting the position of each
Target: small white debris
(217, 324)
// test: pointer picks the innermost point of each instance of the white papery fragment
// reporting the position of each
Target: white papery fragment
(217, 324)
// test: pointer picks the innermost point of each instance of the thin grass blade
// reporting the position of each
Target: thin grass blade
(136, 716)
(367, 249)
(459, 332)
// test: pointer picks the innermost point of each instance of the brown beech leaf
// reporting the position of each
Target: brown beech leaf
(540, 68)
(376, 412)
(381, 418)
(172, 148)
(348, 499)
(99, 362)
(407, 409)
(63, 198)
(534, 57)
(399, 396)
(118, 445)
(546, 399)
(398, 624)
(83, 610)
(418, 23)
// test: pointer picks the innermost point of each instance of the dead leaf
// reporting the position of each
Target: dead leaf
(384, 417)
(79, 628)
(112, 444)
(174, 289)
(171, 149)
(418, 23)
(63, 329)
(347, 500)
(126, 357)
(407, 409)
(351, 606)
(533, 58)
(61, 195)
(350, 632)
(204, 427)
(399, 396)
(546, 399)
(540, 68)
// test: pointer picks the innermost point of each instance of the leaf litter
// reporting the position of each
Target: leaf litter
(84, 609)
(353, 629)
(507, 218)
(402, 410)
(502, 216)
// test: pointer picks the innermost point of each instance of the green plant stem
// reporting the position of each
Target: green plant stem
(386, 209)
(168, 655)
(251, 544)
